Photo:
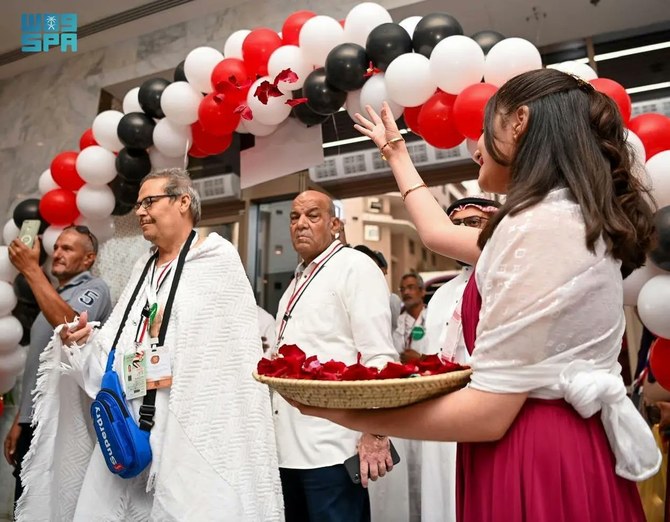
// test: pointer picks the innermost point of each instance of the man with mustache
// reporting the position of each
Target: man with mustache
(188, 303)
(78, 290)
(336, 307)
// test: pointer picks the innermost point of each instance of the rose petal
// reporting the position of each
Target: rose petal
(287, 75)
(296, 101)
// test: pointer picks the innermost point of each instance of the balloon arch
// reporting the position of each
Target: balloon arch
(433, 75)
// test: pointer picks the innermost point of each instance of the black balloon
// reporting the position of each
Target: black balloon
(150, 96)
(307, 116)
(179, 74)
(346, 66)
(386, 42)
(136, 130)
(29, 209)
(321, 96)
(125, 194)
(487, 39)
(661, 254)
(432, 29)
(133, 164)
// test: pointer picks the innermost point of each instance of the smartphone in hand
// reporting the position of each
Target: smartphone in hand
(29, 230)
(353, 464)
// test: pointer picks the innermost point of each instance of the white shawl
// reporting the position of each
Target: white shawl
(552, 323)
(213, 443)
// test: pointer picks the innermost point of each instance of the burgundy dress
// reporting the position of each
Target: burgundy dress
(552, 465)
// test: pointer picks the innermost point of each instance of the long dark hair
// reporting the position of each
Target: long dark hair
(574, 138)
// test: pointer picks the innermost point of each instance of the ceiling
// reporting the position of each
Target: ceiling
(543, 22)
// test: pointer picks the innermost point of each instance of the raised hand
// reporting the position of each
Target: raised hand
(380, 130)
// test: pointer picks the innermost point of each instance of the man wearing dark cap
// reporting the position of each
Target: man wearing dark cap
(438, 459)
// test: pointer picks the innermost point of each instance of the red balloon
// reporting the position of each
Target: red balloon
(195, 152)
(64, 171)
(230, 77)
(257, 48)
(290, 31)
(654, 131)
(216, 114)
(411, 116)
(659, 361)
(618, 94)
(209, 144)
(87, 139)
(436, 121)
(58, 207)
(469, 109)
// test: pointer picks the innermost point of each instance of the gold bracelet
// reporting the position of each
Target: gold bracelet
(392, 140)
(412, 189)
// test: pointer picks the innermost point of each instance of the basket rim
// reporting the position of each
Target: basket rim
(456, 374)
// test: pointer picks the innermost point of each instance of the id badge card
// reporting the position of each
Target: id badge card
(135, 375)
(159, 368)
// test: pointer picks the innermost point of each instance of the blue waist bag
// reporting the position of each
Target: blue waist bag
(125, 446)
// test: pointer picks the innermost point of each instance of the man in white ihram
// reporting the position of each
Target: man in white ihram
(214, 455)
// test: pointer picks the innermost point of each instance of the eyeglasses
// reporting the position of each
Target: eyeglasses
(150, 200)
(470, 221)
(84, 230)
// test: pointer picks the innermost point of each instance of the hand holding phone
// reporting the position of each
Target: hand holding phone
(29, 230)
(353, 464)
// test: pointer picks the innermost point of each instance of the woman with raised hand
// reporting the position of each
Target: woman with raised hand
(545, 429)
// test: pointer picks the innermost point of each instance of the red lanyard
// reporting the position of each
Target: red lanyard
(298, 291)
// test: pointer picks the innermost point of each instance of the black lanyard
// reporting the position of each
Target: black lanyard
(299, 291)
(148, 409)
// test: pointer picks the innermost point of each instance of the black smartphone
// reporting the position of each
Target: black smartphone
(353, 464)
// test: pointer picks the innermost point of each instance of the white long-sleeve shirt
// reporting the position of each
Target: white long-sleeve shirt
(343, 310)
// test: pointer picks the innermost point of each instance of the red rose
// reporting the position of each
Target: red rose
(395, 370)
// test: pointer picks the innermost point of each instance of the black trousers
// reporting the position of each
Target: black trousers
(323, 495)
(22, 447)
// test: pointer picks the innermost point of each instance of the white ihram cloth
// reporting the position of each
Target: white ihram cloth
(213, 446)
(438, 459)
(552, 322)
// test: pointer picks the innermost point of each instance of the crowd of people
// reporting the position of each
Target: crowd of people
(543, 432)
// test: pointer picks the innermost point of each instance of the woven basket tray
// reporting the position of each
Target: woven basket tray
(386, 393)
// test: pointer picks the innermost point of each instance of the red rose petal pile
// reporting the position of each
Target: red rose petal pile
(293, 363)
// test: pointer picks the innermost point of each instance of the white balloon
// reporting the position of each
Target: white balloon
(318, 36)
(508, 58)
(7, 270)
(409, 24)
(12, 363)
(658, 169)
(409, 81)
(289, 57)
(103, 229)
(95, 202)
(10, 232)
(7, 383)
(49, 238)
(374, 93)
(259, 129)
(46, 182)
(96, 165)
(171, 139)
(362, 19)
(581, 70)
(633, 140)
(233, 46)
(198, 67)
(11, 332)
(456, 63)
(7, 299)
(353, 104)
(161, 161)
(104, 130)
(653, 305)
(272, 113)
(180, 102)
(635, 281)
(472, 146)
(131, 101)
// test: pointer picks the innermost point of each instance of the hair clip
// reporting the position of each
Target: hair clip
(583, 85)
